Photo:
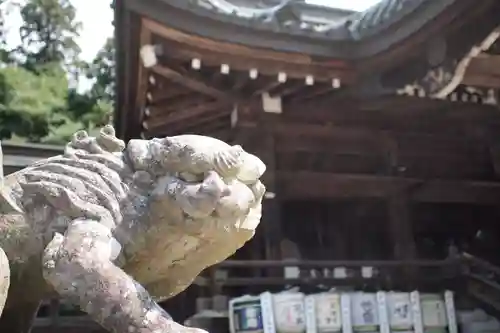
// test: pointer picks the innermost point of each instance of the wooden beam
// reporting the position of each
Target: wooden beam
(313, 185)
(295, 137)
(399, 114)
(432, 166)
(231, 48)
(482, 80)
(321, 72)
(164, 94)
(484, 64)
(448, 191)
(355, 264)
(406, 114)
(176, 104)
(359, 150)
(394, 105)
(190, 83)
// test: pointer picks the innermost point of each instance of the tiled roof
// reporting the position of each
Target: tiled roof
(383, 15)
(299, 17)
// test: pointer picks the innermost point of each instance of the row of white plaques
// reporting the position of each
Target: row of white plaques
(384, 312)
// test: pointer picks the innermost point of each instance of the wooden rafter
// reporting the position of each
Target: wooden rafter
(160, 96)
(288, 88)
(190, 83)
(239, 83)
(267, 87)
(316, 91)
(176, 105)
(158, 126)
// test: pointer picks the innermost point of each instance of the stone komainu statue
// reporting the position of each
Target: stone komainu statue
(104, 219)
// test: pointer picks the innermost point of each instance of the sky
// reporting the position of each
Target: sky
(96, 17)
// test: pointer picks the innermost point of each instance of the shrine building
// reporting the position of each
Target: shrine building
(380, 131)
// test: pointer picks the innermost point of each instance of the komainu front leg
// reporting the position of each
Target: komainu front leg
(4, 279)
(79, 266)
(18, 318)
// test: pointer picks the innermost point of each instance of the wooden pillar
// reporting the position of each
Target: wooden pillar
(401, 232)
(494, 150)
(270, 223)
(260, 141)
(271, 207)
(400, 225)
(399, 209)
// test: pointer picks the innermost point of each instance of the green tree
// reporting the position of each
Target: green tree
(48, 33)
(2, 24)
(6, 6)
(31, 105)
(102, 71)
(95, 108)
(89, 110)
(36, 103)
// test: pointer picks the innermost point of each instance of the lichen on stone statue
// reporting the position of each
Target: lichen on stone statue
(106, 218)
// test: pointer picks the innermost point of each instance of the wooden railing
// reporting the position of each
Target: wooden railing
(482, 281)
(334, 273)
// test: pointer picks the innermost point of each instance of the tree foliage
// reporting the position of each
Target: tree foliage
(48, 32)
(102, 69)
(39, 101)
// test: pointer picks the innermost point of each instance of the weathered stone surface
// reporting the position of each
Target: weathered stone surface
(4, 278)
(104, 219)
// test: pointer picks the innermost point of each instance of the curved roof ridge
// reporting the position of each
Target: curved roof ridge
(383, 15)
(247, 11)
(321, 21)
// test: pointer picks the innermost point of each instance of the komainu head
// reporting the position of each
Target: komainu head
(206, 203)
(176, 204)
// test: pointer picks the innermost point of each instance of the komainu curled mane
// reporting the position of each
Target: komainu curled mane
(89, 179)
(105, 218)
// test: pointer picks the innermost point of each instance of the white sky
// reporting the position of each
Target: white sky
(96, 17)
